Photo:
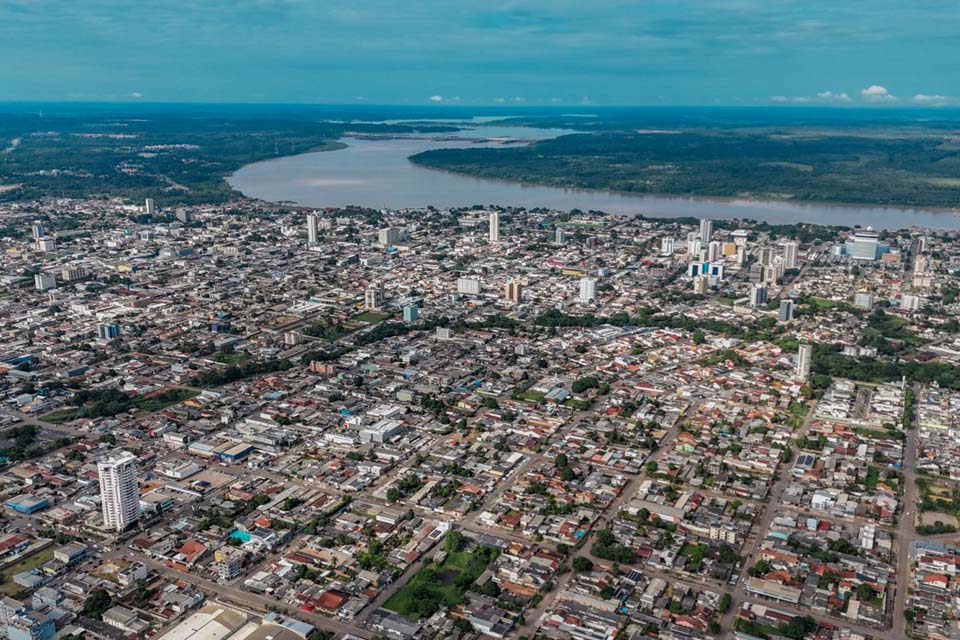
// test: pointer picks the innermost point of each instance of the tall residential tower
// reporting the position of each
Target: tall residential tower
(119, 490)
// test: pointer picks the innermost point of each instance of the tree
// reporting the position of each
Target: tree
(698, 337)
(453, 542)
(582, 564)
(96, 603)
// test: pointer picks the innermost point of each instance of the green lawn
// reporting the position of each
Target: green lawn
(59, 417)
(441, 584)
(370, 316)
(164, 399)
(11, 588)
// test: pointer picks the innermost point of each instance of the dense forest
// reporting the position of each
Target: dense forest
(897, 166)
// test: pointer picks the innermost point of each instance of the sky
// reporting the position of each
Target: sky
(483, 52)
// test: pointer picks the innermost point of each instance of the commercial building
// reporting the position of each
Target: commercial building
(119, 490)
(411, 313)
(389, 236)
(108, 331)
(758, 295)
(373, 297)
(864, 245)
(790, 254)
(494, 226)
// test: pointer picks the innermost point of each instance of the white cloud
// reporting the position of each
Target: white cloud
(436, 98)
(500, 100)
(830, 96)
(933, 100)
(136, 94)
(519, 99)
(790, 99)
(877, 93)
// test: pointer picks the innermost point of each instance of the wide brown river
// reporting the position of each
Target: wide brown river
(377, 173)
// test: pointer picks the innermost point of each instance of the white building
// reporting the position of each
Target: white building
(119, 490)
(758, 295)
(804, 359)
(588, 289)
(667, 246)
(389, 236)
(45, 280)
(790, 254)
(313, 228)
(469, 286)
(706, 230)
(494, 226)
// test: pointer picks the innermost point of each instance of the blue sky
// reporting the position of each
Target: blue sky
(691, 52)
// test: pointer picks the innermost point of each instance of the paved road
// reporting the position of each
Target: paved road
(906, 531)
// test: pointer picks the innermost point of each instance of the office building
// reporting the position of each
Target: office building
(790, 254)
(786, 311)
(494, 226)
(39, 231)
(313, 228)
(804, 359)
(45, 280)
(588, 289)
(119, 490)
(766, 256)
(72, 274)
(149, 206)
(47, 245)
(108, 331)
(469, 286)
(411, 313)
(513, 291)
(560, 236)
(706, 230)
(667, 246)
(864, 245)
(758, 295)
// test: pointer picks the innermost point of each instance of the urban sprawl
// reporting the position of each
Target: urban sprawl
(254, 422)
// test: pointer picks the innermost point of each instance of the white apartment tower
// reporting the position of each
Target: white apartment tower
(790, 254)
(119, 490)
(313, 228)
(804, 358)
(494, 226)
(706, 230)
(588, 289)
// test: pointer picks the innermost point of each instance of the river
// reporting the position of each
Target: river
(376, 173)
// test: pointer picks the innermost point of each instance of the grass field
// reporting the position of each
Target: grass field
(154, 402)
(11, 588)
(440, 584)
(370, 317)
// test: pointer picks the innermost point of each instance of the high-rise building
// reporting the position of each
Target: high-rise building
(411, 313)
(313, 228)
(588, 289)
(700, 285)
(560, 236)
(72, 274)
(910, 302)
(804, 359)
(389, 236)
(667, 246)
(864, 245)
(714, 250)
(108, 331)
(45, 280)
(758, 295)
(790, 254)
(373, 297)
(38, 229)
(786, 311)
(494, 226)
(863, 300)
(766, 256)
(149, 206)
(47, 245)
(119, 490)
(469, 286)
(706, 230)
(513, 291)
